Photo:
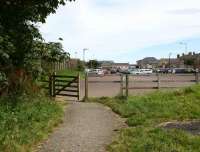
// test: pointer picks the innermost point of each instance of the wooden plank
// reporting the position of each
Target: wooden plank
(68, 90)
(163, 87)
(86, 87)
(68, 95)
(62, 80)
(61, 85)
(65, 76)
(132, 88)
(68, 85)
(79, 86)
(104, 81)
(73, 86)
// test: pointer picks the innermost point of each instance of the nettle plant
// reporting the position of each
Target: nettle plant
(21, 45)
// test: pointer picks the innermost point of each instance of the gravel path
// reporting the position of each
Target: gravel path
(87, 127)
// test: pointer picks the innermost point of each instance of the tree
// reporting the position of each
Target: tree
(80, 66)
(19, 35)
(93, 64)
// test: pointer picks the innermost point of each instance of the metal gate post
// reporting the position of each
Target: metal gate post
(86, 87)
(127, 86)
(50, 85)
(54, 85)
(121, 85)
(79, 86)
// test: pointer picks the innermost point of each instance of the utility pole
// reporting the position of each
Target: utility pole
(84, 50)
(170, 59)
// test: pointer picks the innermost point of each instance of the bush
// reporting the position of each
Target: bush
(27, 121)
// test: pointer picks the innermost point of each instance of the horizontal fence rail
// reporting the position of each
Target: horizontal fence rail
(63, 85)
(137, 82)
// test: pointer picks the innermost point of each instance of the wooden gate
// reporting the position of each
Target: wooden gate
(63, 85)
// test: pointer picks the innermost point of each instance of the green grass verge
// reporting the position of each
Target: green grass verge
(145, 113)
(27, 122)
(71, 72)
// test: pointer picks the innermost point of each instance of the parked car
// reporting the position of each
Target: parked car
(96, 72)
(141, 71)
(146, 71)
(164, 70)
(135, 71)
(113, 71)
(183, 70)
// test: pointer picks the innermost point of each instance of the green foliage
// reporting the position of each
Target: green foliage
(144, 113)
(21, 44)
(141, 139)
(80, 66)
(27, 122)
(71, 72)
(93, 64)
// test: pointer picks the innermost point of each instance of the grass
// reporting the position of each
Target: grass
(71, 72)
(145, 113)
(26, 122)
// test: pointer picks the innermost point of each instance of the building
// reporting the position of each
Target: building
(122, 66)
(106, 64)
(133, 66)
(171, 63)
(72, 63)
(147, 63)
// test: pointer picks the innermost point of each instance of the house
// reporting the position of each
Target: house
(133, 66)
(122, 66)
(171, 63)
(147, 63)
(106, 64)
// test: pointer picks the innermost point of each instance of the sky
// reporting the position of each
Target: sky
(126, 30)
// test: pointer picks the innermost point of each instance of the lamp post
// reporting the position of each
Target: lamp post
(170, 54)
(84, 50)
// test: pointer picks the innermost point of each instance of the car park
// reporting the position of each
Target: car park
(135, 71)
(96, 72)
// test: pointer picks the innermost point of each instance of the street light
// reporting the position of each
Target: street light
(186, 46)
(84, 50)
(170, 54)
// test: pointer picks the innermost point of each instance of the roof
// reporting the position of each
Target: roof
(121, 64)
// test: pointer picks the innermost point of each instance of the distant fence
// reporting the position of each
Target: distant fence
(127, 83)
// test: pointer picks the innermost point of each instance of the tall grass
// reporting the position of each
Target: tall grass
(145, 113)
(26, 121)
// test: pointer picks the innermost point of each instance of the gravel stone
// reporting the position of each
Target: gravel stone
(87, 127)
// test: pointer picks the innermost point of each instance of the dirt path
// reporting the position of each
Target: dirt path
(87, 127)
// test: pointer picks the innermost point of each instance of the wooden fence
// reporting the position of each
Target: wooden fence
(157, 81)
(63, 85)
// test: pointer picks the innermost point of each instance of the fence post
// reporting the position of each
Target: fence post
(50, 85)
(86, 87)
(79, 86)
(121, 85)
(158, 80)
(197, 77)
(53, 84)
(127, 85)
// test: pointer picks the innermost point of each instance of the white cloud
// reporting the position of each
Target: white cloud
(120, 26)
